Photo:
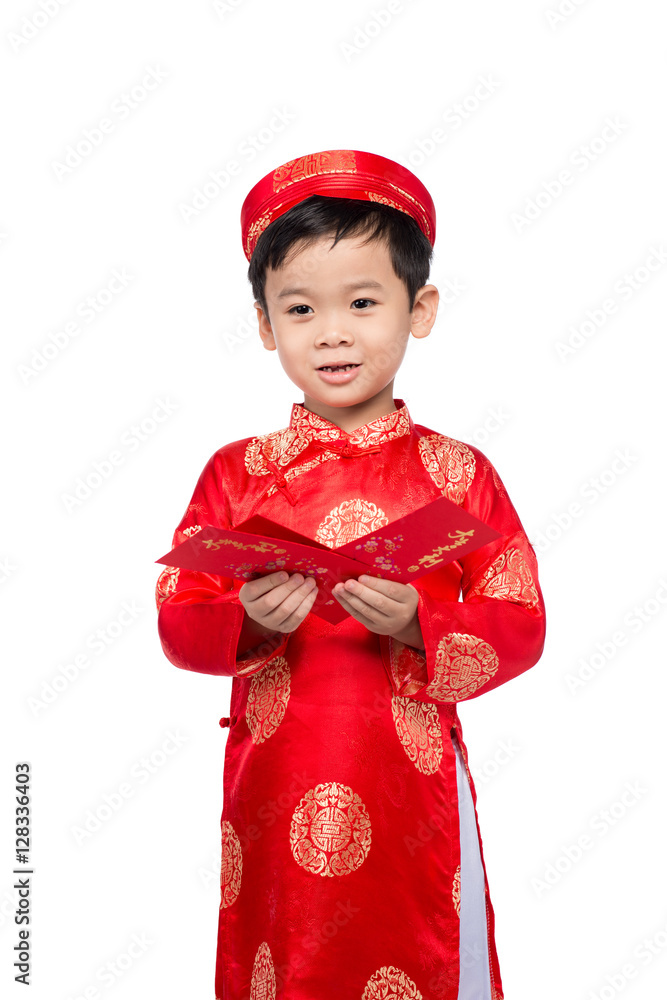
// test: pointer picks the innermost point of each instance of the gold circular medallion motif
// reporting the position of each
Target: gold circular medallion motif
(508, 579)
(267, 699)
(463, 663)
(449, 463)
(263, 984)
(350, 520)
(456, 891)
(166, 584)
(231, 865)
(330, 832)
(418, 728)
(390, 983)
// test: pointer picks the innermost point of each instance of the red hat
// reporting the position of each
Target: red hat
(338, 173)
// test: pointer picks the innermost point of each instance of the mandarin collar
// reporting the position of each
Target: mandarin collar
(375, 432)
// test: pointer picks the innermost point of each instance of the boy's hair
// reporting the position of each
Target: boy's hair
(319, 216)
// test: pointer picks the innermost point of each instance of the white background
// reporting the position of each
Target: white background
(176, 334)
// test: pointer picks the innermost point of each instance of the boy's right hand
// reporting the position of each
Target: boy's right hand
(279, 602)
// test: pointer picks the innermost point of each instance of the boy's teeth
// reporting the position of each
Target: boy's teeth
(337, 368)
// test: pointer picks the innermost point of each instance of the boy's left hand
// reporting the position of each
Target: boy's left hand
(383, 606)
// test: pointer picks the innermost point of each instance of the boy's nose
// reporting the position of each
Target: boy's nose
(333, 332)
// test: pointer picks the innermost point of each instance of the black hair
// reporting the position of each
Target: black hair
(320, 215)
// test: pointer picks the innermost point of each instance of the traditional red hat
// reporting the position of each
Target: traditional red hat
(338, 173)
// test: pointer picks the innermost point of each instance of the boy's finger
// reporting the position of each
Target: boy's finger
(293, 600)
(391, 588)
(297, 607)
(263, 584)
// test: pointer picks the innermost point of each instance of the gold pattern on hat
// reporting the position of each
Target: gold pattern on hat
(336, 161)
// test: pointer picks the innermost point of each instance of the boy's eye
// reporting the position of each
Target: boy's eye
(357, 301)
(294, 308)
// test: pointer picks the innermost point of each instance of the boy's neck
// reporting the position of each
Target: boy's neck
(348, 418)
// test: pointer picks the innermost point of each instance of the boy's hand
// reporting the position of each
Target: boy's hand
(279, 602)
(383, 606)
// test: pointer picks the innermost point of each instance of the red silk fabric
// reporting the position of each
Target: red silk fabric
(341, 853)
(338, 173)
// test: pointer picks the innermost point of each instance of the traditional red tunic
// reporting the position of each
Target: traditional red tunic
(351, 858)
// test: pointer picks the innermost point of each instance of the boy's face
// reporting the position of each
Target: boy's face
(332, 306)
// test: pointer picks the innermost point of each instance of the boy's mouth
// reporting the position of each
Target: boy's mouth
(336, 368)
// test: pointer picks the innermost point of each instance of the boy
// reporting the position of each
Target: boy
(351, 859)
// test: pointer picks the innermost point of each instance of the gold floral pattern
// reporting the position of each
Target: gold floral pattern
(168, 578)
(267, 699)
(385, 428)
(390, 983)
(278, 448)
(507, 579)
(417, 207)
(349, 520)
(383, 200)
(449, 463)
(231, 866)
(263, 983)
(418, 728)
(456, 891)
(330, 832)
(255, 230)
(166, 584)
(463, 663)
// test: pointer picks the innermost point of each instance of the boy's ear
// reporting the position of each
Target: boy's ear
(265, 331)
(424, 310)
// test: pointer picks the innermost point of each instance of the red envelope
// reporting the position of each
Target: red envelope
(405, 549)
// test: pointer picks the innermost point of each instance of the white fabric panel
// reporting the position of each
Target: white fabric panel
(474, 979)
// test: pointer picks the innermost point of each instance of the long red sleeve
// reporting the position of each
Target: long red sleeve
(201, 618)
(498, 628)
